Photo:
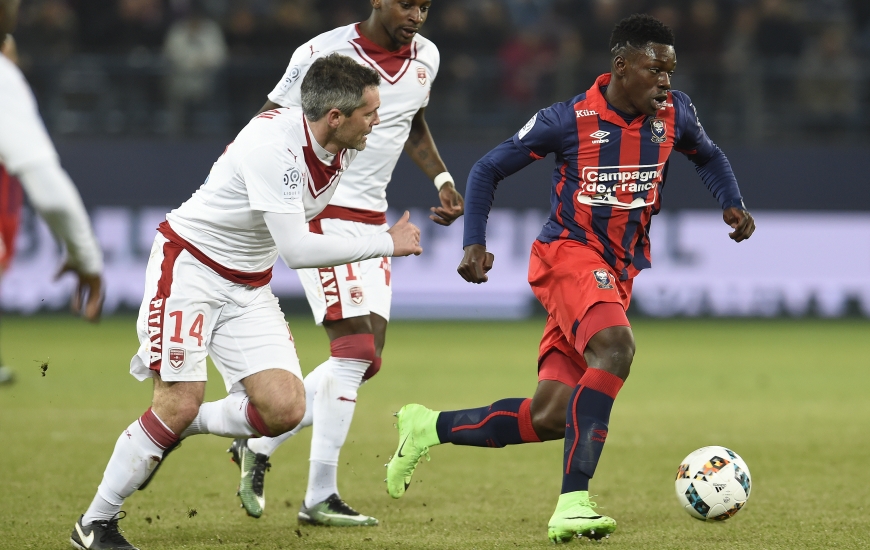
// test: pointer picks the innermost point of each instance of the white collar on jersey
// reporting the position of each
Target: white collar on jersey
(322, 154)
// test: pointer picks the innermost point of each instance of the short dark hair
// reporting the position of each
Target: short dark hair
(637, 31)
(335, 82)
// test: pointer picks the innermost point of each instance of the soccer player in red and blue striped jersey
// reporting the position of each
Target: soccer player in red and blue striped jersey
(612, 144)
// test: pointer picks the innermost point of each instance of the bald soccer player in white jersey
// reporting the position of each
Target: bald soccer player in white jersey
(352, 301)
(26, 152)
(207, 283)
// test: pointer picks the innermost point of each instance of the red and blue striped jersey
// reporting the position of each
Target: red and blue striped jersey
(609, 174)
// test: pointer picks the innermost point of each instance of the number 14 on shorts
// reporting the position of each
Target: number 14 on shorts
(195, 328)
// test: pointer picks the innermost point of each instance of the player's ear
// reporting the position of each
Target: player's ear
(619, 64)
(334, 118)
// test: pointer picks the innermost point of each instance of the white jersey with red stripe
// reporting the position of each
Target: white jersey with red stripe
(406, 79)
(274, 165)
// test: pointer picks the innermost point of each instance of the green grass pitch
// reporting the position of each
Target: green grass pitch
(790, 396)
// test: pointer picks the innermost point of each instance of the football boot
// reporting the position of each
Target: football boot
(253, 467)
(100, 535)
(416, 425)
(575, 517)
(334, 512)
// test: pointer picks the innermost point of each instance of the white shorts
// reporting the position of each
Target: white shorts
(349, 290)
(190, 312)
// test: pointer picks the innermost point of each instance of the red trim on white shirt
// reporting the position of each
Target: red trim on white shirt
(321, 176)
(255, 279)
(390, 65)
(334, 212)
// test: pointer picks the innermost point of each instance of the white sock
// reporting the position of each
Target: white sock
(137, 452)
(268, 445)
(227, 418)
(333, 408)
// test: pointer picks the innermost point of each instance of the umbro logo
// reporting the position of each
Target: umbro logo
(598, 137)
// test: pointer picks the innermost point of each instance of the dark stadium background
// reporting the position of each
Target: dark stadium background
(783, 86)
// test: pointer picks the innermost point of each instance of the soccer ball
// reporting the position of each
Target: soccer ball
(713, 483)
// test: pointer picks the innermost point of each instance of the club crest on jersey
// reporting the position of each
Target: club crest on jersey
(659, 130)
(602, 279)
(176, 358)
(356, 294)
(421, 76)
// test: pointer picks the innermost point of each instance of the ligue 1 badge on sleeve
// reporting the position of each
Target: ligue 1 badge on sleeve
(602, 278)
(659, 130)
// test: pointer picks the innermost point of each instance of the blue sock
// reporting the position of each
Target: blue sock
(505, 422)
(587, 421)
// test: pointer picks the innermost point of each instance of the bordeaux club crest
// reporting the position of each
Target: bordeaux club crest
(356, 295)
(602, 278)
(176, 358)
(659, 130)
(421, 76)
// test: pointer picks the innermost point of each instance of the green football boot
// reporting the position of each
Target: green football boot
(575, 517)
(253, 467)
(417, 433)
(334, 512)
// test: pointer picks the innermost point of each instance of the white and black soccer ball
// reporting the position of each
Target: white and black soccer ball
(713, 483)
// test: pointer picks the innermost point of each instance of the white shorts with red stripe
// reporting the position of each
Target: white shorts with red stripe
(349, 290)
(190, 312)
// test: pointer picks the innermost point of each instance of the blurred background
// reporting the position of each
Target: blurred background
(141, 96)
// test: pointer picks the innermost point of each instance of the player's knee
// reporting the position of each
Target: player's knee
(282, 416)
(620, 356)
(287, 417)
(612, 350)
(549, 421)
(549, 426)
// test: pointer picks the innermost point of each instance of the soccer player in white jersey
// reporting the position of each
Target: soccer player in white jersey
(207, 283)
(352, 301)
(27, 153)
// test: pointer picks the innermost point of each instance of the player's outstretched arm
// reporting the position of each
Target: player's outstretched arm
(475, 264)
(741, 221)
(420, 146)
(55, 198)
(300, 249)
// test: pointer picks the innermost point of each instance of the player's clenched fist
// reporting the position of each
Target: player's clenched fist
(476, 262)
(741, 221)
(406, 237)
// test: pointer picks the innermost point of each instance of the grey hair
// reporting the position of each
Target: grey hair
(335, 82)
